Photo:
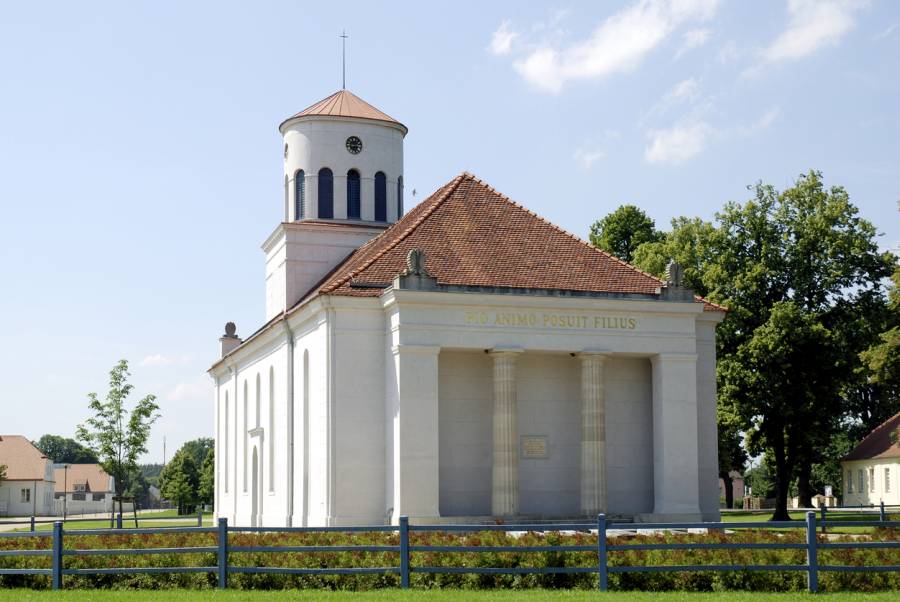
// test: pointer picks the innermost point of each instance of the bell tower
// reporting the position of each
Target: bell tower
(343, 185)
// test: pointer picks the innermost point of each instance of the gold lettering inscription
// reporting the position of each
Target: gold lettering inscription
(516, 319)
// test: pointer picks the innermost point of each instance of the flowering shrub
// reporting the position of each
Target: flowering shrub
(680, 581)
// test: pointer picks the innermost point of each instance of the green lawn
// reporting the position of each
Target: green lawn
(436, 595)
(128, 521)
(753, 517)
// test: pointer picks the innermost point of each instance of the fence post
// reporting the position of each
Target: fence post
(119, 520)
(57, 555)
(880, 509)
(223, 553)
(199, 518)
(812, 561)
(404, 552)
(601, 552)
(824, 515)
(32, 523)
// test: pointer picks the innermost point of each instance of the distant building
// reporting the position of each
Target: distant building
(737, 486)
(872, 470)
(27, 489)
(83, 489)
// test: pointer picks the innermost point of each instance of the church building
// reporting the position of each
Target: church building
(465, 361)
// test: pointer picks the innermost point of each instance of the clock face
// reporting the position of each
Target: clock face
(354, 145)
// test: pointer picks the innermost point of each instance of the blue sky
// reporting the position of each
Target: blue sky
(141, 164)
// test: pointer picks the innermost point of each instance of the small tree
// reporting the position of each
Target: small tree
(117, 436)
(623, 231)
(208, 478)
(180, 481)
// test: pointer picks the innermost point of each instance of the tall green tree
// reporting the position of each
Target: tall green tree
(116, 434)
(180, 481)
(208, 478)
(63, 450)
(787, 265)
(198, 449)
(623, 231)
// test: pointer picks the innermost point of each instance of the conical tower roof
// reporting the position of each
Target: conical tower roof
(345, 103)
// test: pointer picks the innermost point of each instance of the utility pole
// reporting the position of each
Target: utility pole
(343, 37)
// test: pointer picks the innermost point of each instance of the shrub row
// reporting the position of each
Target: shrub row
(774, 581)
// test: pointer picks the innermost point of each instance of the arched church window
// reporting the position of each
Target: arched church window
(245, 437)
(399, 197)
(380, 197)
(353, 204)
(299, 195)
(326, 194)
(256, 404)
(271, 434)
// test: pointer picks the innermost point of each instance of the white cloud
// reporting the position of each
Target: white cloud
(190, 391)
(502, 39)
(587, 158)
(813, 24)
(693, 39)
(688, 89)
(678, 143)
(764, 122)
(729, 53)
(159, 359)
(885, 33)
(617, 46)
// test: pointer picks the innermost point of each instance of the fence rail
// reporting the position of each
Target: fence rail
(404, 567)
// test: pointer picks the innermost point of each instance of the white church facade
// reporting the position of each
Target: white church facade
(467, 360)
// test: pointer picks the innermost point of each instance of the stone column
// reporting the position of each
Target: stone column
(505, 473)
(675, 434)
(593, 434)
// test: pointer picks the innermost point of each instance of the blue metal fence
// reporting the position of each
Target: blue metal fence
(404, 567)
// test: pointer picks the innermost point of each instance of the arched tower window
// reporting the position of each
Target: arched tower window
(299, 195)
(380, 197)
(399, 197)
(326, 194)
(353, 204)
(271, 434)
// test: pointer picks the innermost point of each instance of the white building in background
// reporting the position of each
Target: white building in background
(83, 489)
(872, 470)
(466, 360)
(27, 489)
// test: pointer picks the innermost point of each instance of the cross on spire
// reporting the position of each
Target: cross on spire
(343, 37)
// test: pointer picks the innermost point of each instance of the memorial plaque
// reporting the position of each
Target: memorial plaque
(534, 446)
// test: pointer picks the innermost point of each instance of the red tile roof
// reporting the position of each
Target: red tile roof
(344, 103)
(24, 462)
(474, 236)
(883, 442)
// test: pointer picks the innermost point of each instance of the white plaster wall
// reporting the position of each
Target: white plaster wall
(40, 504)
(359, 413)
(867, 496)
(299, 255)
(548, 389)
(629, 435)
(314, 143)
(707, 430)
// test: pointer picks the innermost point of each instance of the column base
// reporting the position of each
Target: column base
(668, 517)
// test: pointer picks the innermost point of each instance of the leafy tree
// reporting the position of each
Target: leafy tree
(623, 231)
(732, 455)
(796, 270)
(2, 472)
(881, 361)
(63, 450)
(118, 436)
(198, 449)
(208, 478)
(180, 481)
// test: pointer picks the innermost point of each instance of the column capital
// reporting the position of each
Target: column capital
(503, 351)
(593, 354)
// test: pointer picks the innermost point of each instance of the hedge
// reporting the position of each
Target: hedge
(772, 581)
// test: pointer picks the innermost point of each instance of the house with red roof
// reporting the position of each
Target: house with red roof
(872, 470)
(27, 488)
(463, 359)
